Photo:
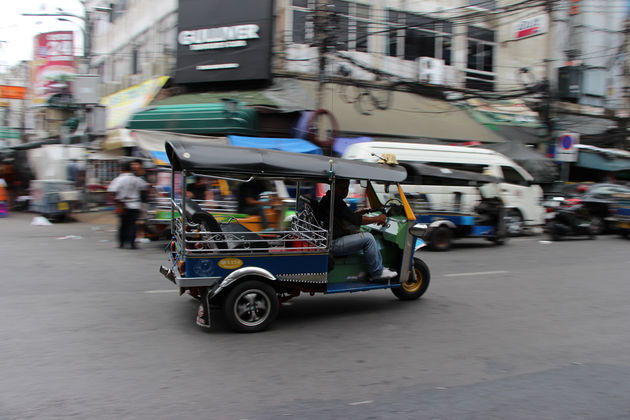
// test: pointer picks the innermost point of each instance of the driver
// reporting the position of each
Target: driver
(347, 238)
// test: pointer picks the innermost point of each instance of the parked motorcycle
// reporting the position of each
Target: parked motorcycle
(571, 218)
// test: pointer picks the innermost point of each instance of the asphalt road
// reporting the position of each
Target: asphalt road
(530, 330)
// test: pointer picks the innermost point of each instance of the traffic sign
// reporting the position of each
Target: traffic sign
(566, 147)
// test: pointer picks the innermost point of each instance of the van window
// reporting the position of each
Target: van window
(511, 176)
(470, 167)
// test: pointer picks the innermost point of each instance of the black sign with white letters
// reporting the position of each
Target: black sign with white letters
(224, 40)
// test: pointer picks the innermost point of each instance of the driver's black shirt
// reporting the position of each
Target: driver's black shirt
(345, 222)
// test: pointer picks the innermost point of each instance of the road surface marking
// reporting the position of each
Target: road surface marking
(361, 402)
(479, 273)
(161, 291)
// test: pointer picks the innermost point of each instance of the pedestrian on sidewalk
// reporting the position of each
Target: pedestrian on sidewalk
(127, 190)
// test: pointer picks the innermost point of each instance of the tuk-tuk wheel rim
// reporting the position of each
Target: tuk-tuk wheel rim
(252, 307)
(412, 286)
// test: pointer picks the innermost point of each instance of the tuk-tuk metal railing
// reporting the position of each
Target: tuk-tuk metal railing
(301, 236)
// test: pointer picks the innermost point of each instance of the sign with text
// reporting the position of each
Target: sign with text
(124, 103)
(53, 65)
(234, 44)
(566, 150)
(529, 27)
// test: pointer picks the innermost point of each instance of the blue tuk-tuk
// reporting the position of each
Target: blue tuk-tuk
(249, 274)
(475, 210)
(620, 214)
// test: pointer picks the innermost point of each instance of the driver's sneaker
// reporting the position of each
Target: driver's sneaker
(386, 274)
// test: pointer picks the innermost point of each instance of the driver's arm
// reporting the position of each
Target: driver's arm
(381, 219)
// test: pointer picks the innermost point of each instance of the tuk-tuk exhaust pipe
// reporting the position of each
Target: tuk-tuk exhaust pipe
(168, 273)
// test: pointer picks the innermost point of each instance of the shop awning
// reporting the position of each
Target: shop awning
(286, 145)
(608, 160)
(511, 119)
(208, 118)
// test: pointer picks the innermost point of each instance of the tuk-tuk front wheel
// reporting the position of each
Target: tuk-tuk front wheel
(414, 288)
(251, 306)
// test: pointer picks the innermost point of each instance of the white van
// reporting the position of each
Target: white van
(521, 196)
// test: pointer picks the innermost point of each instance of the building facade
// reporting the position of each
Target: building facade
(504, 49)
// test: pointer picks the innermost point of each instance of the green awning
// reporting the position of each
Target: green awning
(200, 118)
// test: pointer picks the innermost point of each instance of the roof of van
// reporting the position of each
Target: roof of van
(417, 146)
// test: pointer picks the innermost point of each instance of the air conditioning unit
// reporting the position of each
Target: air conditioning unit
(431, 70)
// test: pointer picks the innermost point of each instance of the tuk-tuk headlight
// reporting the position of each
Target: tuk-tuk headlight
(418, 230)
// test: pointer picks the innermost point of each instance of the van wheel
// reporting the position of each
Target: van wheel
(441, 239)
(514, 223)
(251, 306)
(413, 289)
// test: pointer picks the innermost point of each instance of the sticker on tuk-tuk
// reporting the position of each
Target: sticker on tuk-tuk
(230, 263)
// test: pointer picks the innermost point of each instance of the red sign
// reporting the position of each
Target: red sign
(12, 92)
(53, 65)
(530, 27)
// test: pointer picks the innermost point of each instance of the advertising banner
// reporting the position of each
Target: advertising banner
(234, 45)
(123, 104)
(53, 65)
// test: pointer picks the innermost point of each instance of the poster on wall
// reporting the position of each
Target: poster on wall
(53, 65)
(224, 40)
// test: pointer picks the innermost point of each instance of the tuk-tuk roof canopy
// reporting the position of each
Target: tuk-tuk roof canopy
(220, 159)
(421, 169)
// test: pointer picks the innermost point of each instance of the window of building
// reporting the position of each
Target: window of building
(349, 24)
(411, 36)
(135, 61)
(480, 59)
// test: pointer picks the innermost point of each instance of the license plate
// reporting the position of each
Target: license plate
(63, 206)
(624, 225)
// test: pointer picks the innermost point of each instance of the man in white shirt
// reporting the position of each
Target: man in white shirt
(127, 188)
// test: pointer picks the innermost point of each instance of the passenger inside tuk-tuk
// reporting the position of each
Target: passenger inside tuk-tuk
(347, 238)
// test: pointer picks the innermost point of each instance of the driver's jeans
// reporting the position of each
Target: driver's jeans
(351, 244)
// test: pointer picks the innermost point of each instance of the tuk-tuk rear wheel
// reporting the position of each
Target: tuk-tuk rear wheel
(414, 288)
(251, 306)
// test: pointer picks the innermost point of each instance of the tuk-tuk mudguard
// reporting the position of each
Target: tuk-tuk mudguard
(239, 274)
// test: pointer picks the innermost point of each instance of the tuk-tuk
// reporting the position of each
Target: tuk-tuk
(621, 214)
(249, 274)
(474, 210)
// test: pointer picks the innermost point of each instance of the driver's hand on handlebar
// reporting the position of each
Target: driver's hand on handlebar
(381, 219)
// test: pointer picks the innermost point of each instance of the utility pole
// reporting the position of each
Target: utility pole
(324, 38)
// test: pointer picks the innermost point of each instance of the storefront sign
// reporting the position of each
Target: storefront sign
(236, 46)
(53, 65)
(530, 27)
(12, 92)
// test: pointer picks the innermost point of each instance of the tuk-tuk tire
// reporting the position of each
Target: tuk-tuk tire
(500, 241)
(263, 293)
(440, 239)
(412, 291)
